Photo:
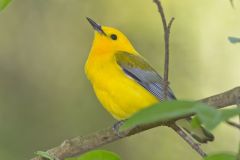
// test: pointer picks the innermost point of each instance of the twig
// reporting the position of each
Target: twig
(166, 28)
(233, 124)
(188, 139)
(232, 3)
(79, 145)
(170, 24)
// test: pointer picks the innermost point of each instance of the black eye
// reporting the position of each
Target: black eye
(113, 36)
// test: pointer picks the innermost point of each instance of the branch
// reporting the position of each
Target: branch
(232, 3)
(167, 28)
(188, 139)
(233, 124)
(78, 145)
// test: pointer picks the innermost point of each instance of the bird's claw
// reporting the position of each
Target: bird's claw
(116, 127)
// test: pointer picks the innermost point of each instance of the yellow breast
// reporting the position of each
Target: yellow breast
(119, 94)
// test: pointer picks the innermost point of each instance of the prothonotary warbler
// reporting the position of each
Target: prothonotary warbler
(124, 82)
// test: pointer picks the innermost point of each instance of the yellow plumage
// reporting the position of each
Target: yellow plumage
(119, 94)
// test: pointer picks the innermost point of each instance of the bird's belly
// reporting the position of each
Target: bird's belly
(122, 96)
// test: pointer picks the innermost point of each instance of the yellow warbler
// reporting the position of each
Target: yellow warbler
(123, 80)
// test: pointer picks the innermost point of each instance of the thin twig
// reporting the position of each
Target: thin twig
(79, 145)
(166, 28)
(161, 11)
(232, 3)
(233, 124)
(170, 24)
(188, 139)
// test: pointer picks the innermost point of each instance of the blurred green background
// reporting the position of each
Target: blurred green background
(46, 98)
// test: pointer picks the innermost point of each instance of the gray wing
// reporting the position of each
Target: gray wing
(139, 70)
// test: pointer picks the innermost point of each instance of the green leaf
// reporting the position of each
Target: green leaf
(228, 113)
(196, 123)
(163, 111)
(234, 39)
(220, 116)
(170, 110)
(97, 155)
(221, 156)
(44, 155)
(208, 116)
(4, 3)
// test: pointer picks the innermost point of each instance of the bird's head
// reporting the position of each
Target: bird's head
(109, 40)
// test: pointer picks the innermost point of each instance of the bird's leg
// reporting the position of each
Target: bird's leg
(116, 127)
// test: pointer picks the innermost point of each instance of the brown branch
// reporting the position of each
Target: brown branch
(233, 124)
(170, 24)
(78, 145)
(167, 28)
(188, 139)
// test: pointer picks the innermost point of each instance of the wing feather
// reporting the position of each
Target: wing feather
(139, 70)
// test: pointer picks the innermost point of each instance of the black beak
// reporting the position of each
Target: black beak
(96, 26)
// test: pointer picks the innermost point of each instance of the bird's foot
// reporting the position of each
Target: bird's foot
(117, 126)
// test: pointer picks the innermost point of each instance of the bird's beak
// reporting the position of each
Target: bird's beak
(96, 26)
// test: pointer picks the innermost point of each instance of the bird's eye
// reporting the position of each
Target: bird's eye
(113, 36)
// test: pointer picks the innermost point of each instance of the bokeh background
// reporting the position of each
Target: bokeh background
(46, 98)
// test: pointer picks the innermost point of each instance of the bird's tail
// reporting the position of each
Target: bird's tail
(199, 133)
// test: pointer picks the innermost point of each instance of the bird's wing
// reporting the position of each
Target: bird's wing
(139, 70)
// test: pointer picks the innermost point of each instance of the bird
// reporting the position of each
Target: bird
(124, 81)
